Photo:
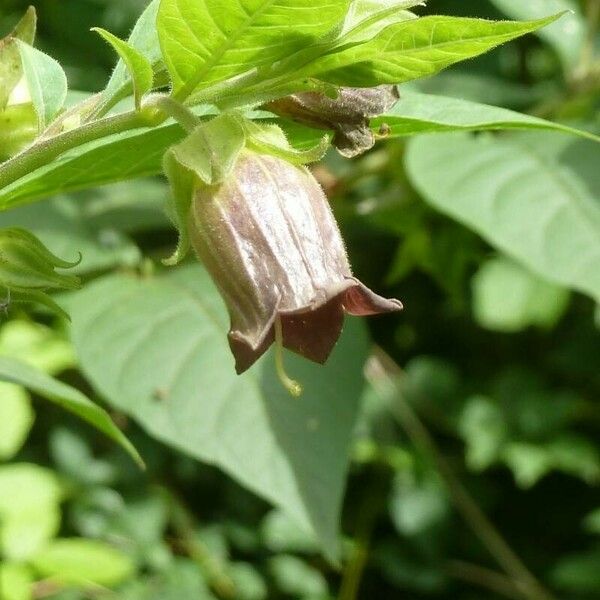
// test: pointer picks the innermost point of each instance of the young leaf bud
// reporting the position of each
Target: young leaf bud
(27, 268)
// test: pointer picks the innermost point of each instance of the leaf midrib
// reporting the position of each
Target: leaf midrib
(204, 69)
(416, 49)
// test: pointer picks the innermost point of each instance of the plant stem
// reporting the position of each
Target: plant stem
(383, 373)
(44, 151)
(486, 578)
(367, 517)
(183, 524)
(156, 110)
(173, 108)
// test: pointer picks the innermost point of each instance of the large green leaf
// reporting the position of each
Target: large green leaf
(139, 152)
(566, 36)
(212, 40)
(66, 397)
(156, 349)
(534, 196)
(416, 48)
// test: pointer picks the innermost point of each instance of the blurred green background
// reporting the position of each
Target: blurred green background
(498, 378)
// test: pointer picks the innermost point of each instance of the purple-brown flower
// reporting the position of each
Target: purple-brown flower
(347, 115)
(271, 244)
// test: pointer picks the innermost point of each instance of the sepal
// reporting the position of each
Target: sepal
(28, 268)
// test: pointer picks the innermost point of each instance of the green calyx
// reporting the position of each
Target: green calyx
(28, 269)
(207, 156)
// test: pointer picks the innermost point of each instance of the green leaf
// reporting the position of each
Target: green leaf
(248, 582)
(83, 561)
(47, 83)
(11, 68)
(415, 506)
(16, 582)
(136, 153)
(25, 29)
(591, 523)
(183, 580)
(16, 419)
(139, 152)
(507, 297)
(139, 67)
(416, 48)
(282, 534)
(66, 397)
(144, 39)
(578, 573)
(366, 18)
(484, 429)
(426, 113)
(296, 578)
(40, 346)
(29, 509)
(566, 36)
(156, 349)
(571, 454)
(533, 196)
(207, 42)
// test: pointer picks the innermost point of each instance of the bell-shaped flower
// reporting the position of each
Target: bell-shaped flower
(268, 237)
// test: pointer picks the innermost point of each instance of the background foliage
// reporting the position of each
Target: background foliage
(491, 240)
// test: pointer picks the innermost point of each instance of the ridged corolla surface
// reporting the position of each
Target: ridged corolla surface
(269, 239)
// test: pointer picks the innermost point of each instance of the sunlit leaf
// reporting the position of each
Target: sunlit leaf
(416, 48)
(138, 66)
(46, 80)
(206, 42)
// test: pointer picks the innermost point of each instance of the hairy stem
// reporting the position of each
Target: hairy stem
(43, 151)
(46, 150)
(173, 108)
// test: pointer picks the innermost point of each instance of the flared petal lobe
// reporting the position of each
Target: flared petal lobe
(269, 239)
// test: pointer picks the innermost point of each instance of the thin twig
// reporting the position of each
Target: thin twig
(383, 373)
(369, 511)
(183, 524)
(486, 578)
